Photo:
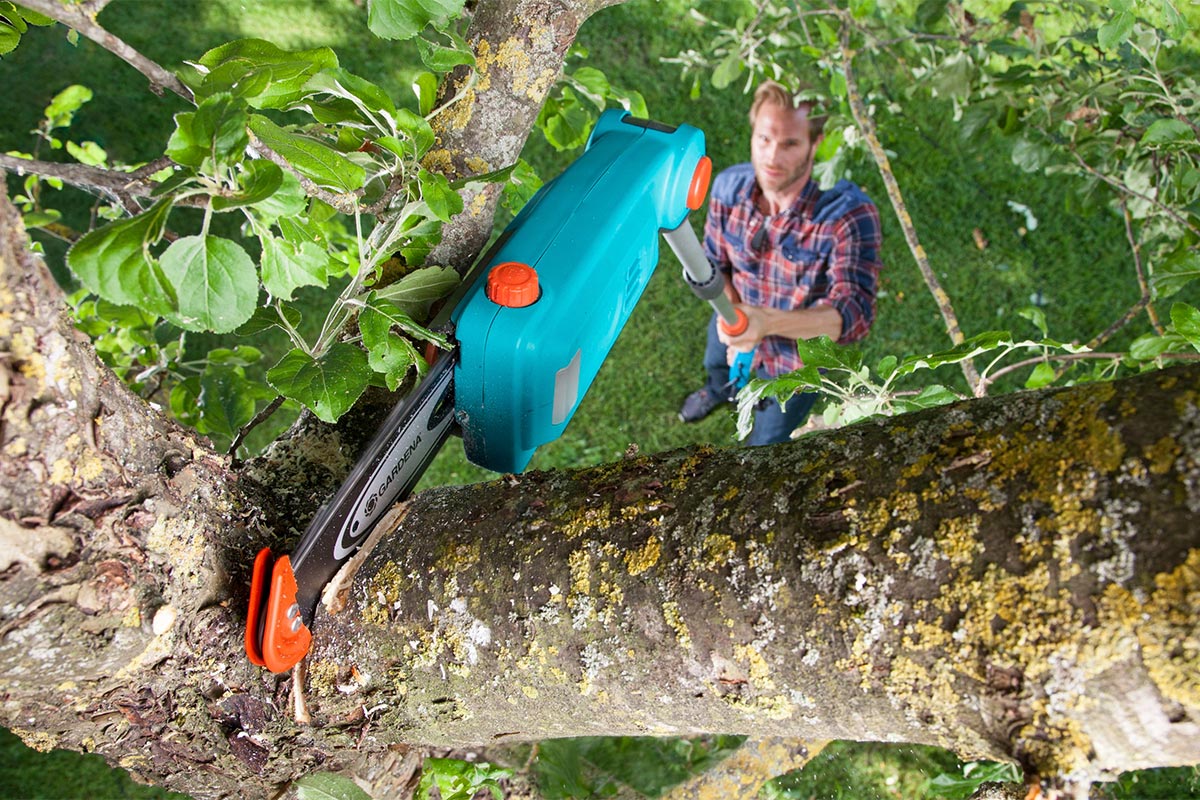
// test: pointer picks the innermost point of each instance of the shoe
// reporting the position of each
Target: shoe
(699, 404)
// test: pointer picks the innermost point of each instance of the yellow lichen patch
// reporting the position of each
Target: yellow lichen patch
(1170, 647)
(928, 694)
(757, 668)
(645, 557)
(958, 540)
(323, 677)
(61, 472)
(439, 160)
(1162, 454)
(383, 591)
(37, 740)
(675, 622)
(589, 519)
(581, 573)
(1054, 746)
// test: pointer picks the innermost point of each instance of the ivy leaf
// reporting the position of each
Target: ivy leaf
(286, 266)
(328, 786)
(328, 385)
(215, 281)
(416, 292)
(442, 200)
(315, 160)
(115, 262)
(404, 19)
(1186, 320)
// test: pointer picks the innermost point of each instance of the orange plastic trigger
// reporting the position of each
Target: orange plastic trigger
(286, 639)
(258, 595)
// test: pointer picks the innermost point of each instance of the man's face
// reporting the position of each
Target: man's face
(780, 149)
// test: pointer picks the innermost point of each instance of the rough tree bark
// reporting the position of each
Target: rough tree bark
(1013, 577)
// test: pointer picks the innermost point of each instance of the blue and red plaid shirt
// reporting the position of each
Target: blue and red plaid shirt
(823, 251)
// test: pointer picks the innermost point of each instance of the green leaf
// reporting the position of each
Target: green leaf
(38, 219)
(260, 72)
(594, 85)
(521, 187)
(1037, 316)
(442, 200)
(442, 58)
(287, 266)
(352, 98)
(328, 385)
(1186, 320)
(88, 153)
(62, 108)
(425, 87)
(267, 317)
(727, 71)
(418, 290)
(1042, 375)
(258, 182)
(404, 19)
(1169, 133)
(215, 282)
(10, 37)
(824, 354)
(417, 129)
(226, 402)
(930, 13)
(328, 786)
(315, 160)
(564, 122)
(216, 130)
(459, 780)
(1150, 346)
(387, 353)
(1174, 23)
(1178, 270)
(115, 261)
(1114, 32)
(288, 200)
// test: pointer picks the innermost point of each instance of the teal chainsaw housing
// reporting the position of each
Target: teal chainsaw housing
(591, 235)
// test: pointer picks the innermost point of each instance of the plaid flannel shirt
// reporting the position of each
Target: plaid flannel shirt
(823, 251)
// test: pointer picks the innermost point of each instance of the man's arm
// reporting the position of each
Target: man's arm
(803, 323)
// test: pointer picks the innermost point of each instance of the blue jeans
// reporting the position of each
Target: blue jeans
(773, 423)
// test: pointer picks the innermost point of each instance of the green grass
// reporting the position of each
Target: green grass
(1078, 263)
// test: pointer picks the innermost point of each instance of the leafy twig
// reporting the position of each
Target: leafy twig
(865, 124)
(259, 419)
(121, 186)
(82, 18)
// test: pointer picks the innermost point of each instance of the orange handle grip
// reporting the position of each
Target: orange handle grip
(738, 327)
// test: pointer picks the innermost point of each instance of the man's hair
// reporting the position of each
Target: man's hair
(775, 94)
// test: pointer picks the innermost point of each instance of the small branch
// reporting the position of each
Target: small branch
(82, 18)
(345, 203)
(865, 124)
(119, 185)
(259, 419)
(1072, 357)
(1123, 189)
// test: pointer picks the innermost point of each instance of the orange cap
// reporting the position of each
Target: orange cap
(738, 327)
(513, 285)
(699, 188)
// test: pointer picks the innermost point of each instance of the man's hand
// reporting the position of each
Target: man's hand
(804, 323)
(748, 339)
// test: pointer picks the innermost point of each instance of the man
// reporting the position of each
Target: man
(799, 262)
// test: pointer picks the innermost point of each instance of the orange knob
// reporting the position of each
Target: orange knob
(699, 187)
(738, 327)
(513, 285)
